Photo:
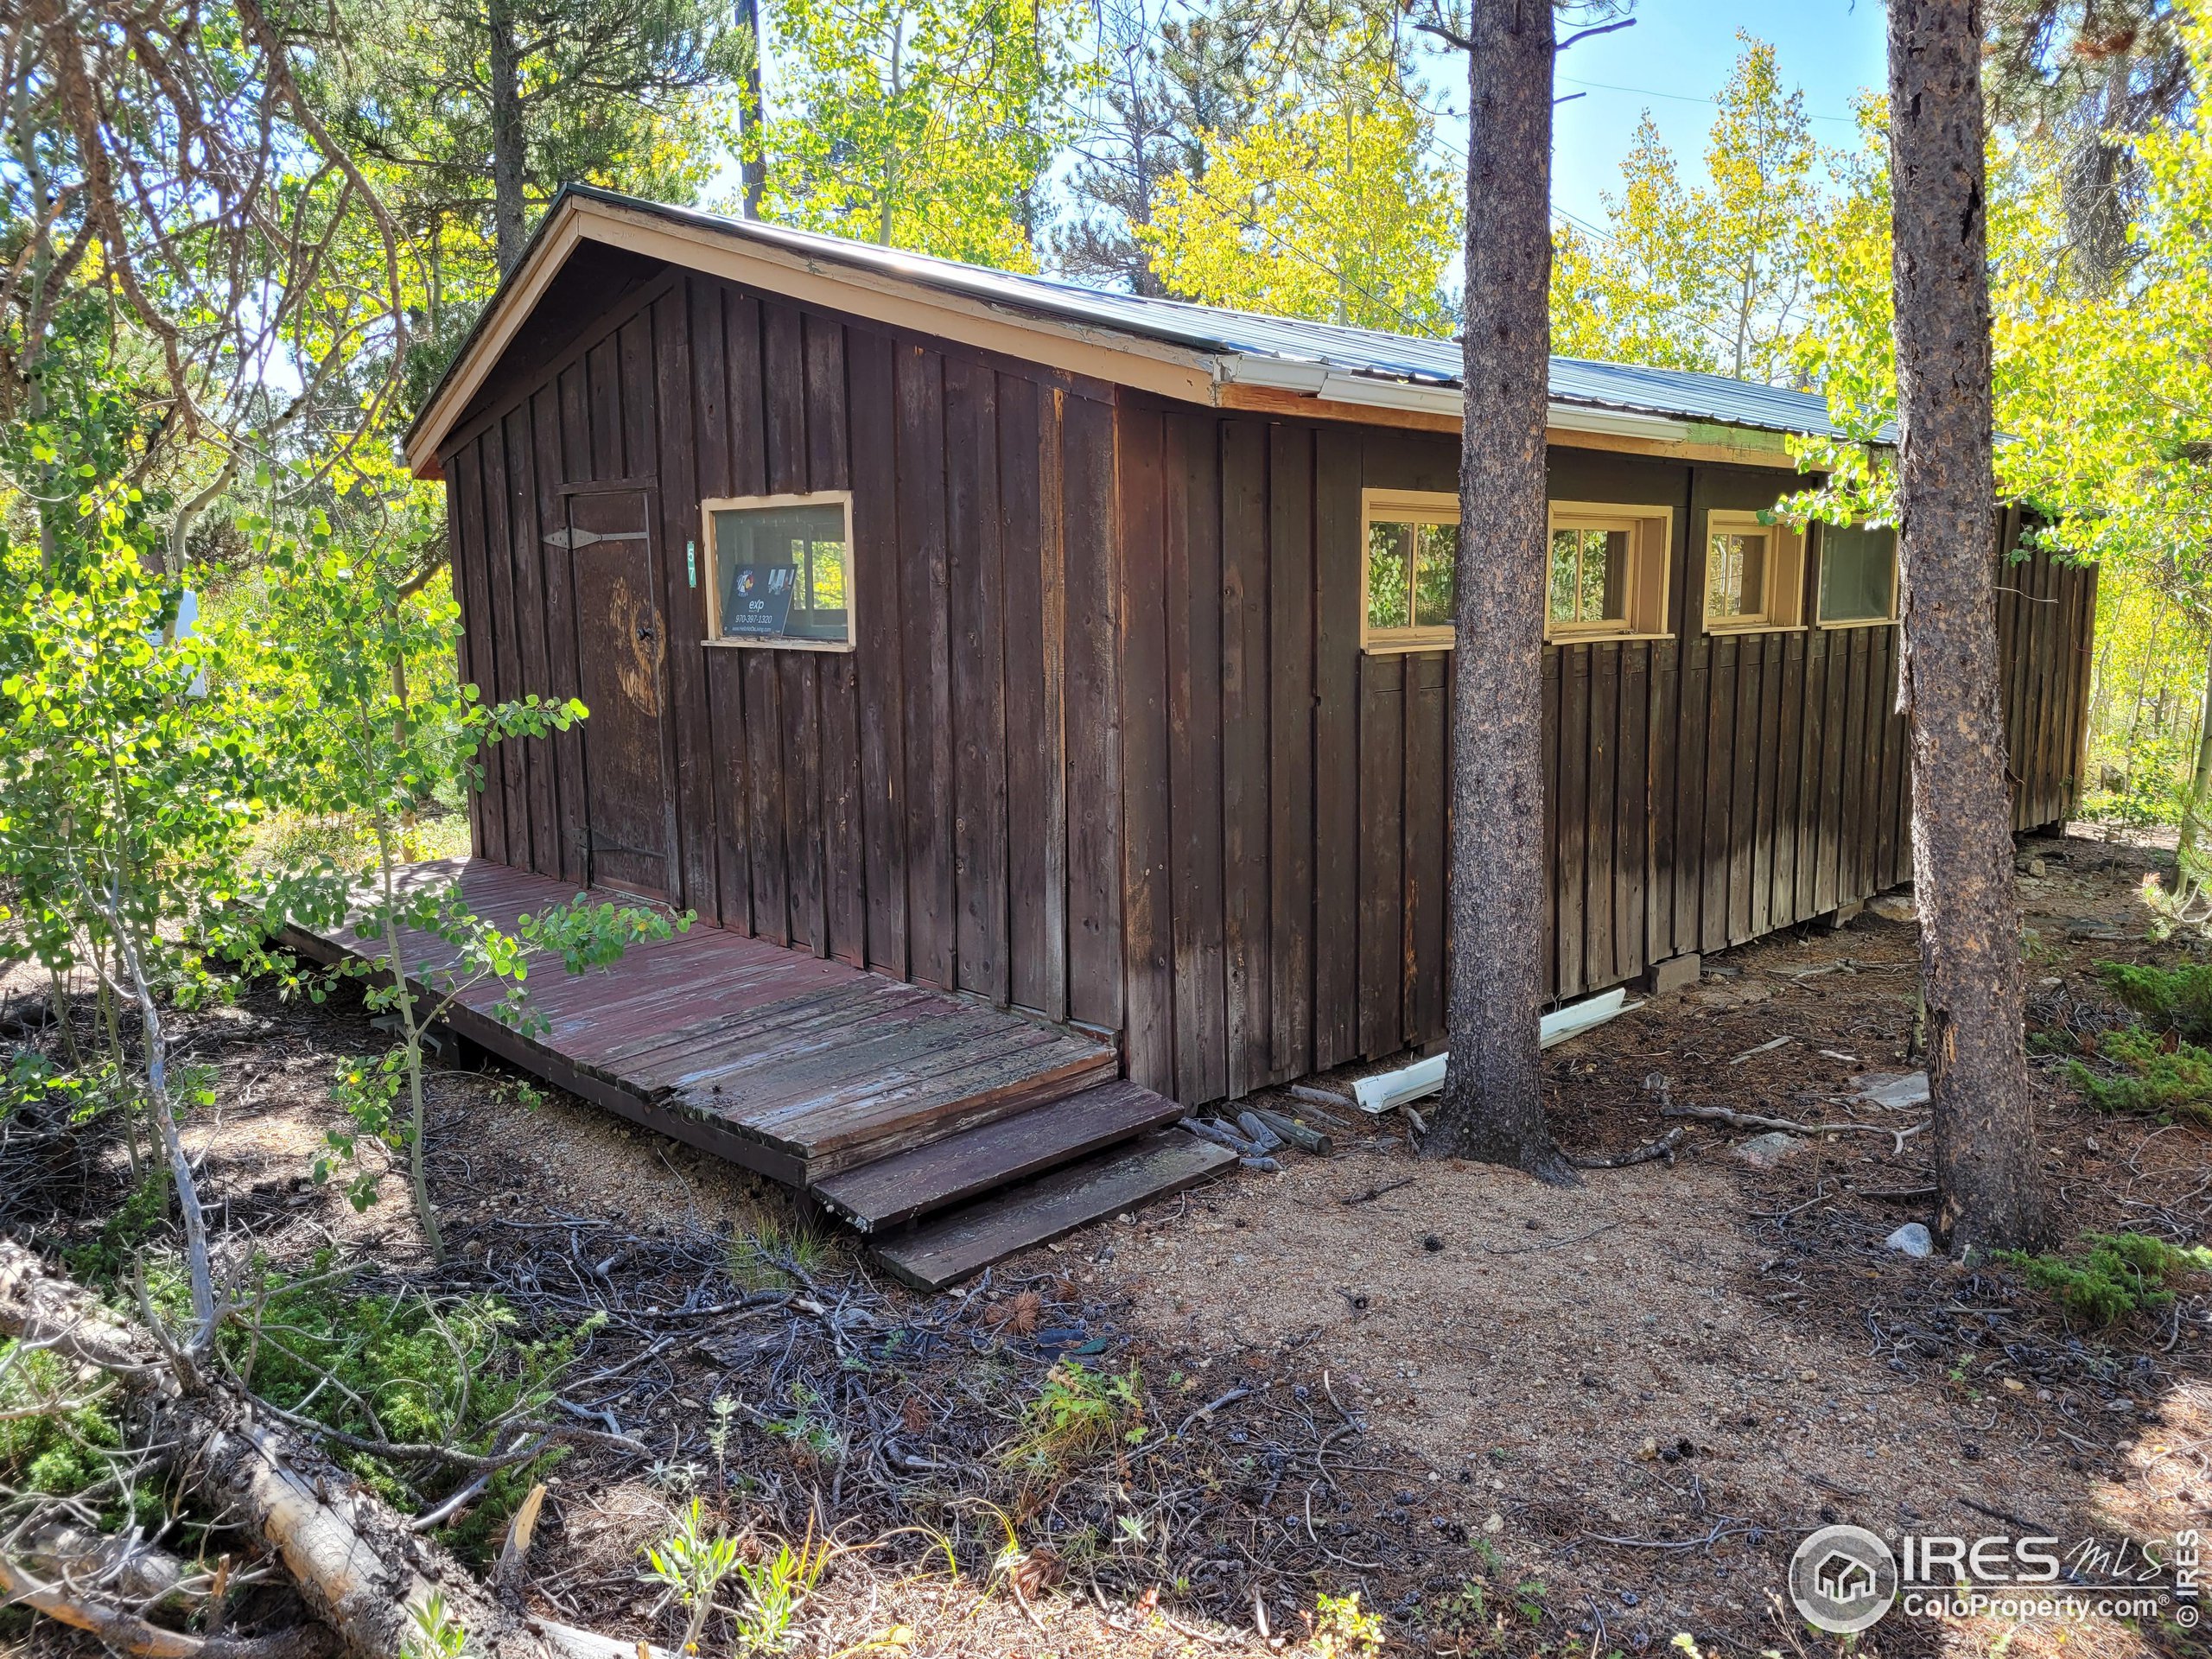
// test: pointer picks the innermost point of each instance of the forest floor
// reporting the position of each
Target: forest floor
(1515, 1419)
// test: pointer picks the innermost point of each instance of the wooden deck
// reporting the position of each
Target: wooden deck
(887, 1102)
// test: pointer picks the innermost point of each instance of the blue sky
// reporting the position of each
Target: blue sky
(1671, 62)
(1676, 57)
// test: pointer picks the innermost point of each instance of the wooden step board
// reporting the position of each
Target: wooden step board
(945, 1251)
(961, 1167)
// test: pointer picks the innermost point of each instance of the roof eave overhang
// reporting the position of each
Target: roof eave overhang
(1171, 370)
(1186, 373)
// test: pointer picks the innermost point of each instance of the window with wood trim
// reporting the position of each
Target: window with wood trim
(1858, 575)
(779, 570)
(1411, 542)
(1606, 571)
(1754, 573)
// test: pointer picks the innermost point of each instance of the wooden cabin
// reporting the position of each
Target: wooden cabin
(1085, 657)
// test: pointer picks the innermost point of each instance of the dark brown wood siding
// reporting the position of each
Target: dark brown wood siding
(1108, 749)
(1285, 792)
(945, 802)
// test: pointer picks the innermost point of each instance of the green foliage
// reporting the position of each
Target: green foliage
(354, 670)
(406, 1371)
(2157, 1079)
(1078, 1416)
(438, 1634)
(692, 1561)
(1331, 206)
(776, 1586)
(105, 1260)
(921, 124)
(56, 1427)
(2177, 999)
(1712, 277)
(1343, 1629)
(2111, 1275)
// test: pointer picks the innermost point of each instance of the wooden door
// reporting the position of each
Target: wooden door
(622, 660)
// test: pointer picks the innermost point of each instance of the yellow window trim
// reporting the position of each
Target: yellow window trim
(1650, 530)
(1889, 621)
(1401, 507)
(1785, 576)
(712, 576)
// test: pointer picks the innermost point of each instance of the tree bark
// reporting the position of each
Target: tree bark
(509, 230)
(1492, 1106)
(1987, 1170)
(753, 167)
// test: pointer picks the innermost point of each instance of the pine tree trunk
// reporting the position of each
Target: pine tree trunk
(1492, 1107)
(1988, 1169)
(508, 230)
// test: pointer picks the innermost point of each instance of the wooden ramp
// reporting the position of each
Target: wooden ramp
(951, 1134)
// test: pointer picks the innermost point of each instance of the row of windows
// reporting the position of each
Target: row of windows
(779, 572)
(1607, 575)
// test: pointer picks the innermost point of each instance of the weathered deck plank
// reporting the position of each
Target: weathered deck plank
(797, 1066)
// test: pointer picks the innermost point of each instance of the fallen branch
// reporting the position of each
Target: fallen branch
(1759, 1121)
(355, 1564)
(1649, 1151)
(126, 1632)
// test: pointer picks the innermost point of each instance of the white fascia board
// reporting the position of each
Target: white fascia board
(1334, 385)
(1580, 417)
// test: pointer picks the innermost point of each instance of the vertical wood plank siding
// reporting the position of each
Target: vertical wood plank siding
(1286, 792)
(946, 803)
(1108, 749)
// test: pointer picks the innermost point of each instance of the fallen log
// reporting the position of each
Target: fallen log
(357, 1567)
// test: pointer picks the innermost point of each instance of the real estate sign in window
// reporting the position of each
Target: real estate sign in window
(779, 571)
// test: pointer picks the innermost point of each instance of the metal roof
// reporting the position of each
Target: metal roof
(1367, 365)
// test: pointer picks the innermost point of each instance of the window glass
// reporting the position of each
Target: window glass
(1735, 574)
(781, 572)
(1409, 566)
(1589, 573)
(1432, 576)
(1390, 575)
(1857, 573)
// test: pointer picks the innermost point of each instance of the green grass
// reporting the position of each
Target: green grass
(759, 1259)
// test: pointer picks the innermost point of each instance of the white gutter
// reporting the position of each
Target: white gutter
(1334, 385)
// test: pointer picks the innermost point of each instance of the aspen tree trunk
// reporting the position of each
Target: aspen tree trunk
(1987, 1171)
(1492, 1107)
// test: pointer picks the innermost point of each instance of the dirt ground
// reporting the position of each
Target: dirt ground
(1514, 1418)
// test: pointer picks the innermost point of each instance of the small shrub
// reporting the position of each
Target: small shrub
(2176, 999)
(105, 1259)
(2113, 1275)
(776, 1586)
(1342, 1630)
(441, 1374)
(1080, 1414)
(2159, 1079)
(54, 1452)
(692, 1562)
